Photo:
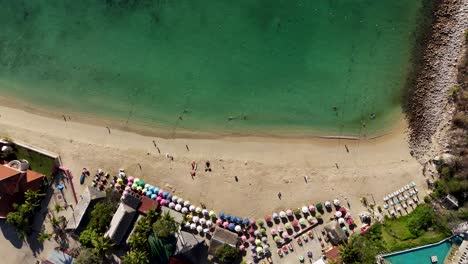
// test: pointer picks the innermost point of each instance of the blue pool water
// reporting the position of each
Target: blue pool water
(423, 255)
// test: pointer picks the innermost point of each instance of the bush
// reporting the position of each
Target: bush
(87, 256)
(460, 120)
(165, 226)
(421, 219)
(226, 253)
(87, 236)
(101, 216)
(427, 199)
(379, 208)
(136, 257)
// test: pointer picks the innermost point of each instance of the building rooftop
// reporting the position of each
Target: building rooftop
(147, 204)
(89, 196)
(121, 221)
(222, 236)
(7, 172)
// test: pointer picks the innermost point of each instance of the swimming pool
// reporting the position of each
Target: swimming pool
(423, 255)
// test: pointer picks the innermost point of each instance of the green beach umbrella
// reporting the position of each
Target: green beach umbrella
(263, 231)
(310, 218)
(277, 239)
(212, 214)
(141, 183)
(258, 242)
(259, 250)
(288, 226)
(302, 221)
(318, 216)
(134, 186)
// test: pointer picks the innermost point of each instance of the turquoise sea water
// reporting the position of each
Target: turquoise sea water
(422, 256)
(245, 66)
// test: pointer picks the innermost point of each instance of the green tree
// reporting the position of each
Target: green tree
(87, 236)
(102, 245)
(43, 237)
(226, 253)
(165, 226)
(136, 257)
(101, 217)
(372, 242)
(87, 256)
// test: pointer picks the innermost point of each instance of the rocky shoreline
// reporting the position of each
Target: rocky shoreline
(428, 108)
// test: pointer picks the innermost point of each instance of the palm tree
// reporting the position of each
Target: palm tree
(102, 245)
(166, 226)
(43, 237)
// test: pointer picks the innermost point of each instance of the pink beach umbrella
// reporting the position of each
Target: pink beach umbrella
(124, 193)
(219, 222)
(251, 240)
(163, 202)
(129, 184)
(225, 224)
(159, 199)
(243, 238)
(273, 232)
(118, 186)
(295, 223)
(253, 221)
(128, 188)
(160, 193)
(289, 212)
(285, 235)
(131, 178)
(251, 231)
(312, 208)
(267, 218)
(241, 247)
(280, 229)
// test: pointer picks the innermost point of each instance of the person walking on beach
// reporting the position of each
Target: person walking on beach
(279, 195)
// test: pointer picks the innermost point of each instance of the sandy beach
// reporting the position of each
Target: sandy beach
(305, 171)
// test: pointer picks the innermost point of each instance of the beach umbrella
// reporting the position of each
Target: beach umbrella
(246, 222)
(407, 187)
(327, 204)
(311, 208)
(258, 242)
(289, 212)
(205, 212)
(288, 226)
(147, 186)
(165, 195)
(219, 221)
(404, 206)
(199, 229)
(318, 216)
(398, 208)
(136, 180)
(221, 215)
(252, 248)
(151, 188)
(385, 206)
(259, 250)
(342, 210)
(239, 220)
(305, 209)
(302, 221)
(415, 199)
(410, 202)
(159, 199)
(178, 207)
(131, 178)
(282, 214)
(251, 240)
(338, 214)
(128, 188)
(184, 210)
(277, 239)
(195, 219)
(336, 202)
(280, 228)
(198, 210)
(392, 212)
(130, 184)
(206, 230)
(295, 223)
(252, 221)
(171, 205)
(212, 214)
(174, 198)
(124, 194)
(284, 235)
(231, 226)
(257, 233)
(228, 217)
(202, 221)
(344, 228)
(139, 188)
(251, 230)
(241, 247)
(180, 201)
(273, 232)
(244, 238)
(186, 203)
(264, 239)
(148, 194)
(263, 231)
(392, 203)
(169, 197)
(310, 218)
(402, 190)
(192, 208)
(160, 192)
(187, 225)
(193, 226)
(275, 216)
(406, 197)
(118, 185)
(119, 180)
(238, 228)
(134, 186)
(153, 196)
(267, 218)
(341, 220)
(209, 223)
(189, 217)
(141, 183)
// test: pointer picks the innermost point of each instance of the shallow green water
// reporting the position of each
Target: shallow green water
(245, 66)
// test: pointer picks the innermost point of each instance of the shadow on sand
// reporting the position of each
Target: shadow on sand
(10, 234)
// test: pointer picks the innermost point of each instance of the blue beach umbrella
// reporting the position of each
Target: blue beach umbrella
(152, 189)
(156, 190)
(148, 193)
(246, 221)
(231, 226)
(228, 217)
(165, 194)
(221, 215)
(169, 197)
(153, 196)
(239, 220)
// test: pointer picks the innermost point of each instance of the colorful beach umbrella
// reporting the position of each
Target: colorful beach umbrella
(199, 229)
(336, 202)
(288, 226)
(186, 203)
(282, 214)
(310, 218)
(295, 223)
(184, 210)
(277, 239)
(305, 209)
(205, 212)
(221, 215)
(226, 224)
(153, 196)
(302, 221)
(178, 207)
(159, 199)
(202, 221)
(212, 214)
(209, 223)
(338, 214)
(238, 228)
(165, 195)
(219, 222)
(174, 198)
(239, 220)
(275, 215)
(192, 208)
(198, 210)
(289, 212)
(163, 202)
(193, 226)
(267, 218)
(195, 219)
(231, 226)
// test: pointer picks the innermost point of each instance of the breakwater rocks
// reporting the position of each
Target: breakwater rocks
(428, 109)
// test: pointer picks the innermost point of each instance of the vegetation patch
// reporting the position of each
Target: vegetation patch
(37, 161)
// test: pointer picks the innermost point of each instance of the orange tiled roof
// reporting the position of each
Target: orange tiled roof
(7, 172)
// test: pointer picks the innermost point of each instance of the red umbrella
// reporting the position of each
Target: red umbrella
(342, 210)
(251, 230)
(267, 218)
(295, 223)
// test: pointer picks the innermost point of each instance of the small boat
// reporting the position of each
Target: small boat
(82, 178)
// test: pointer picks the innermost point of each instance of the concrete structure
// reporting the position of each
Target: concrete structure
(14, 181)
(335, 233)
(450, 202)
(123, 218)
(222, 236)
(89, 198)
(190, 248)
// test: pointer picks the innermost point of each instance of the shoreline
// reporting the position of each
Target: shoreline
(429, 109)
(142, 128)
